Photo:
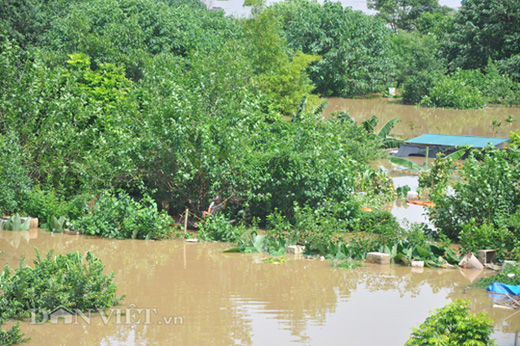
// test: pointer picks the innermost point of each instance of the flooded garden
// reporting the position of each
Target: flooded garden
(201, 296)
(174, 173)
(183, 293)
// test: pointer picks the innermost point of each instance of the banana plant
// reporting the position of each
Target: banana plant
(413, 167)
(57, 225)
(370, 124)
(15, 223)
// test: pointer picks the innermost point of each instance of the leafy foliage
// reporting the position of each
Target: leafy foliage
(468, 89)
(12, 336)
(510, 275)
(487, 192)
(72, 281)
(418, 64)
(15, 224)
(14, 175)
(454, 92)
(454, 325)
(488, 236)
(404, 14)
(43, 204)
(436, 179)
(353, 46)
(218, 228)
(515, 137)
(485, 30)
(120, 216)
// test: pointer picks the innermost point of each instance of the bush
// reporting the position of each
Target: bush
(46, 203)
(14, 180)
(487, 193)
(72, 281)
(453, 325)
(218, 228)
(510, 275)
(469, 89)
(456, 91)
(11, 336)
(120, 216)
(473, 238)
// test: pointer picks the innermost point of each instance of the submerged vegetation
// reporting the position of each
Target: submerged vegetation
(454, 325)
(116, 114)
(71, 281)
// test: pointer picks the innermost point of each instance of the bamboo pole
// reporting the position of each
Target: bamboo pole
(186, 221)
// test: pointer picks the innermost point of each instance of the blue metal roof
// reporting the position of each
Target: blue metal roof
(453, 140)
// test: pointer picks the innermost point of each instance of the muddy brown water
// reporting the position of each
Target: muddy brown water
(202, 296)
(416, 121)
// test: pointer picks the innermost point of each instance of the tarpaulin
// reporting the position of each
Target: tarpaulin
(498, 287)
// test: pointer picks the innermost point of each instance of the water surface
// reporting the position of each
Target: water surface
(236, 299)
(416, 121)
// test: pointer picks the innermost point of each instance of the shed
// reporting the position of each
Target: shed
(445, 144)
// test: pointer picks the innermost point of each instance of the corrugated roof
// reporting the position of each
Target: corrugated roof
(453, 140)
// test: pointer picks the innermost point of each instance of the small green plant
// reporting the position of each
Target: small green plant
(118, 215)
(488, 236)
(11, 336)
(510, 275)
(15, 223)
(402, 191)
(453, 325)
(275, 260)
(72, 281)
(43, 203)
(515, 137)
(58, 225)
(345, 264)
(218, 228)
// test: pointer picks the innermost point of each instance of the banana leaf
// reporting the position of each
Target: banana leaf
(385, 130)
(233, 250)
(15, 223)
(405, 163)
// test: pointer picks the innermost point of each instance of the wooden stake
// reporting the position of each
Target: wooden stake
(516, 338)
(186, 221)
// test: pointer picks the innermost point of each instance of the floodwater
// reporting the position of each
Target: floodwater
(193, 294)
(416, 121)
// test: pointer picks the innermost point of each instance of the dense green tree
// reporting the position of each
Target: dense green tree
(354, 47)
(404, 14)
(417, 64)
(483, 30)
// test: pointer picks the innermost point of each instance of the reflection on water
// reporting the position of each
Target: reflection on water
(235, 299)
(416, 121)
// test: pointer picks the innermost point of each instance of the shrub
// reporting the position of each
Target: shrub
(487, 192)
(120, 216)
(218, 228)
(318, 229)
(487, 236)
(453, 325)
(44, 203)
(456, 91)
(509, 276)
(72, 281)
(14, 178)
(515, 137)
(11, 336)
